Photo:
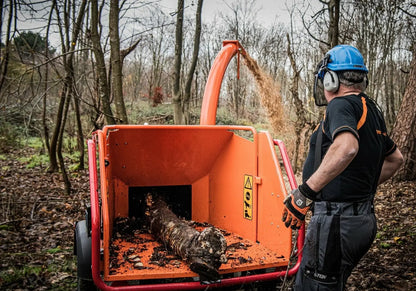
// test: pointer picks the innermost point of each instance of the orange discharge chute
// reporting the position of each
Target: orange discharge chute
(213, 86)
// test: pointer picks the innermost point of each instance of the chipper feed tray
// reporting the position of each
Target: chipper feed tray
(210, 174)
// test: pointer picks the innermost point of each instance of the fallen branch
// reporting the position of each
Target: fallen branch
(203, 251)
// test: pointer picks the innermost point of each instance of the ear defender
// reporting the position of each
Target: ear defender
(331, 81)
(340, 58)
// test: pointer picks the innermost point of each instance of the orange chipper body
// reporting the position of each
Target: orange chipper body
(227, 176)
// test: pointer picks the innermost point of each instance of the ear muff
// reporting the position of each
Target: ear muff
(331, 81)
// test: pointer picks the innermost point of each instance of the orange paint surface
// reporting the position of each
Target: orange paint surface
(236, 181)
(242, 254)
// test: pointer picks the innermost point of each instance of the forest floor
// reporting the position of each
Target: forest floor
(37, 227)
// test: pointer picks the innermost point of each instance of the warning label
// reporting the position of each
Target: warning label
(248, 197)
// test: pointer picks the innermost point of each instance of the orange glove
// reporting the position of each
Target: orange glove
(296, 207)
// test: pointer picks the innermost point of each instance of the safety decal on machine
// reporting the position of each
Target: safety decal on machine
(248, 197)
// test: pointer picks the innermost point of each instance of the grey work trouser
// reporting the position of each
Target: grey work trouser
(338, 235)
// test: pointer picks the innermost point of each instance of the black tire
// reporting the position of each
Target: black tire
(85, 285)
(82, 249)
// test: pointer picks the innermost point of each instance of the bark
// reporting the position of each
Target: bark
(404, 131)
(68, 45)
(203, 251)
(75, 37)
(1, 19)
(67, 98)
(300, 122)
(54, 145)
(5, 53)
(45, 95)
(80, 134)
(103, 87)
(197, 37)
(333, 31)
(53, 162)
(177, 96)
(124, 53)
(116, 63)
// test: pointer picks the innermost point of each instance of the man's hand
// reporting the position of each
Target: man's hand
(296, 207)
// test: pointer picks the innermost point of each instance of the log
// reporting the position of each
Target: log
(204, 251)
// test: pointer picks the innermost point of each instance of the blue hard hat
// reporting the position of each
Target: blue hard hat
(345, 58)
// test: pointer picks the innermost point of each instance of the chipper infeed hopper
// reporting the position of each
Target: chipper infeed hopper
(225, 176)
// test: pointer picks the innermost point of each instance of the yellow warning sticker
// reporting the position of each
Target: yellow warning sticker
(248, 197)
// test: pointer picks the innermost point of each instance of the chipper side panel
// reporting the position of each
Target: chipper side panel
(271, 231)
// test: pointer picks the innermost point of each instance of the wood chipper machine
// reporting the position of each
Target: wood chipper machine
(228, 177)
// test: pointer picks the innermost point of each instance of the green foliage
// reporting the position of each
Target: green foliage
(59, 275)
(37, 156)
(62, 273)
(5, 168)
(143, 112)
(54, 250)
(33, 161)
(41, 159)
(9, 136)
(389, 236)
(30, 42)
(224, 117)
(385, 245)
(34, 142)
(4, 227)
(72, 155)
(74, 168)
(18, 274)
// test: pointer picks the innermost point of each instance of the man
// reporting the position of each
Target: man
(350, 155)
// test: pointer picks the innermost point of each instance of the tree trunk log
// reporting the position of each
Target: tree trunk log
(177, 94)
(203, 251)
(404, 130)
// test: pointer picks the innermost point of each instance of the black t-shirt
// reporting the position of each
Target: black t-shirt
(359, 115)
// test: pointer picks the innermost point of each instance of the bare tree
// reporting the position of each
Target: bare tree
(243, 27)
(103, 86)
(5, 54)
(404, 130)
(190, 75)
(181, 100)
(177, 98)
(116, 63)
(156, 46)
(333, 31)
(68, 42)
(301, 121)
(45, 94)
(379, 31)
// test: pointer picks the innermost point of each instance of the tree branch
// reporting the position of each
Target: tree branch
(310, 33)
(407, 12)
(124, 53)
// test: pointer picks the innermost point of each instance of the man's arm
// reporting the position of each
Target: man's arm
(390, 165)
(338, 157)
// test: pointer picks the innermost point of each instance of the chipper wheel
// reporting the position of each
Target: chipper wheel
(82, 249)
